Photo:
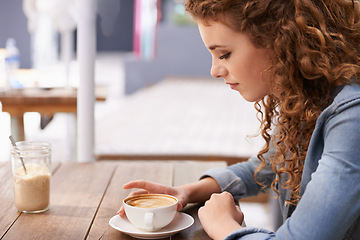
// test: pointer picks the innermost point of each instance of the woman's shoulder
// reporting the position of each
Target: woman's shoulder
(347, 93)
(346, 96)
(343, 97)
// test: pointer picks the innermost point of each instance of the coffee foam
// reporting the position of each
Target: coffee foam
(150, 201)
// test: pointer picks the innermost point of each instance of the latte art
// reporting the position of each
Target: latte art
(150, 201)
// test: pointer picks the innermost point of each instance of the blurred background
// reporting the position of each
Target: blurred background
(147, 52)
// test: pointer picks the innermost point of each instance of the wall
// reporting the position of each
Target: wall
(121, 37)
(180, 52)
(13, 23)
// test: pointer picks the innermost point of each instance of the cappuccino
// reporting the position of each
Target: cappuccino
(151, 201)
(150, 212)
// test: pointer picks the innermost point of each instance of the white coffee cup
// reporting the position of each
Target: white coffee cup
(150, 212)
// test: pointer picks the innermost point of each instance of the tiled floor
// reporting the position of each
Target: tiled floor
(180, 116)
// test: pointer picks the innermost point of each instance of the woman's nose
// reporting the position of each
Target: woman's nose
(217, 71)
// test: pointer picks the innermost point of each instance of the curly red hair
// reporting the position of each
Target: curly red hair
(316, 47)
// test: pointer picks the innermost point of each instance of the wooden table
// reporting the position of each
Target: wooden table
(43, 100)
(84, 196)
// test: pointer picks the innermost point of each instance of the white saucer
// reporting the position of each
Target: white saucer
(180, 222)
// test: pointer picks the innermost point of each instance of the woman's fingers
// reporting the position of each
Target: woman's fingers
(138, 192)
(121, 211)
(149, 186)
(179, 207)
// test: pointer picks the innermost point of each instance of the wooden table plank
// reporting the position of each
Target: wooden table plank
(125, 172)
(76, 191)
(196, 231)
(187, 172)
(8, 211)
(45, 96)
(7, 206)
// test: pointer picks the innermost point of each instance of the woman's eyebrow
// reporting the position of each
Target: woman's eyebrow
(213, 47)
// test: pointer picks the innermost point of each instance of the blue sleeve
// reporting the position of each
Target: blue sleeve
(238, 179)
(251, 233)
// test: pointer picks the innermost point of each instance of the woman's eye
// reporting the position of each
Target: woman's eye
(225, 56)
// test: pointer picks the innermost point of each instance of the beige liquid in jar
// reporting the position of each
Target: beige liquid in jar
(32, 190)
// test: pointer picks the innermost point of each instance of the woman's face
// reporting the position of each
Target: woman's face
(237, 60)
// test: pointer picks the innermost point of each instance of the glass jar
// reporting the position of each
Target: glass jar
(31, 167)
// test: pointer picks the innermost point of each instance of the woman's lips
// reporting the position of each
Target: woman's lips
(232, 85)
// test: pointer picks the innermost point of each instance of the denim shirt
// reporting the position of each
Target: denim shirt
(330, 187)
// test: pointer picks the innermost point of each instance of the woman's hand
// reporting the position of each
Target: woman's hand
(150, 187)
(220, 216)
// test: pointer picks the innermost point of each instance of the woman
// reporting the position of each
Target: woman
(298, 60)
